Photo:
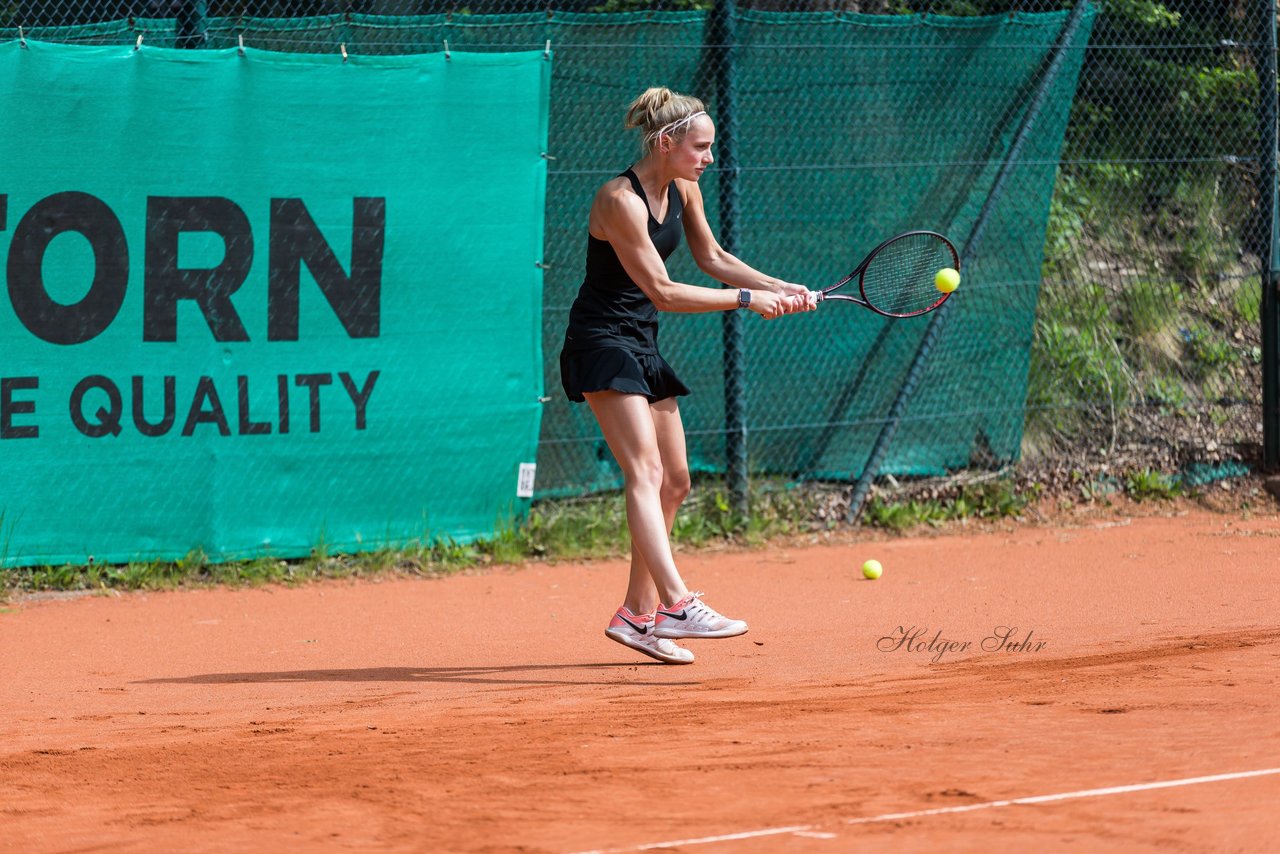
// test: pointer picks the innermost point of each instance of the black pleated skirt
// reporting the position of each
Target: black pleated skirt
(615, 369)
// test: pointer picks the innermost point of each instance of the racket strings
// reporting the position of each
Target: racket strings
(900, 278)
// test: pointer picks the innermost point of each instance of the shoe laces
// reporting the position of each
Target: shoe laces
(691, 598)
(694, 597)
(698, 609)
(697, 601)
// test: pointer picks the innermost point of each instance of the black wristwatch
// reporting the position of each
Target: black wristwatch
(744, 298)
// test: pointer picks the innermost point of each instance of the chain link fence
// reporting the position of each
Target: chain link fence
(1102, 164)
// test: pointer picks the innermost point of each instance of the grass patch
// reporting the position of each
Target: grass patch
(1168, 395)
(1150, 308)
(592, 527)
(1148, 303)
(998, 499)
(1147, 484)
(196, 570)
(1247, 303)
(1079, 377)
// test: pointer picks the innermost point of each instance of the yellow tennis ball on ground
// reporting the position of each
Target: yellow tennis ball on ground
(947, 280)
(872, 569)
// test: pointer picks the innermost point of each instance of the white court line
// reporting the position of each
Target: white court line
(899, 816)
(1066, 796)
(750, 834)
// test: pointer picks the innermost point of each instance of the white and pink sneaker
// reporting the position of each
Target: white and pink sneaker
(637, 632)
(691, 618)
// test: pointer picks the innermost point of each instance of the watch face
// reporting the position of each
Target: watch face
(744, 298)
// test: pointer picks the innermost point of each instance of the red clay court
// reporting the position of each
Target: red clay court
(1134, 705)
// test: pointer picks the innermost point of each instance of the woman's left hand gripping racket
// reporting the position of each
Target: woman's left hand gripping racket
(906, 276)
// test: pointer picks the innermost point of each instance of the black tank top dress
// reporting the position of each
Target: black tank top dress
(612, 339)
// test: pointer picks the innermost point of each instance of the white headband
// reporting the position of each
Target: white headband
(672, 127)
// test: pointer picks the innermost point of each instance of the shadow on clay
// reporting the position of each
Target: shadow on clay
(519, 674)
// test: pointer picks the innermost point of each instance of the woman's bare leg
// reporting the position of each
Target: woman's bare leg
(642, 593)
(637, 434)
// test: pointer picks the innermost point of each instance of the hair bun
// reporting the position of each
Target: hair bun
(644, 110)
(656, 108)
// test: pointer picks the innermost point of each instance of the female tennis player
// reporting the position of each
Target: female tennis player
(610, 357)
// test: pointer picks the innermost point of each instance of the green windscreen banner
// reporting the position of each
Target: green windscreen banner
(259, 303)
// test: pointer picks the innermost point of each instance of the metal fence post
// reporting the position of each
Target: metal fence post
(722, 36)
(1270, 313)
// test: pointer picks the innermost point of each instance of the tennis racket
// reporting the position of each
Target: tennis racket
(898, 278)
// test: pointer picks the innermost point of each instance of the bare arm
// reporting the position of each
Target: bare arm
(713, 260)
(621, 218)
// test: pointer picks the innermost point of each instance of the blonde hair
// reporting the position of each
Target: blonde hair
(660, 112)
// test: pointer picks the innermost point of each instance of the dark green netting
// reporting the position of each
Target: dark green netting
(921, 116)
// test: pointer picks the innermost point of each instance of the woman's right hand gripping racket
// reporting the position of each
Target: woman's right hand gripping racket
(906, 276)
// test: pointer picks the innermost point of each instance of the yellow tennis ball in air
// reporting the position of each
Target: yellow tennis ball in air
(947, 280)
(872, 569)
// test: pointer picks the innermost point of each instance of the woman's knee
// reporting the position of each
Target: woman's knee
(676, 486)
(646, 472)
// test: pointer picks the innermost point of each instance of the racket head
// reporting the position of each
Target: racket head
(897, 278)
